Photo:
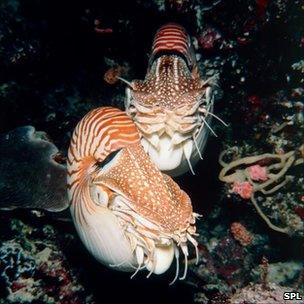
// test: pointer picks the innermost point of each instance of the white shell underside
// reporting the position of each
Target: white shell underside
(105, 239)
(173, 161)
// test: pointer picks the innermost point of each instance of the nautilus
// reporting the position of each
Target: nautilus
(172, 107)
(129, 215)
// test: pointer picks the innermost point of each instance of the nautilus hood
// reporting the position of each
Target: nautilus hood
(153, 195)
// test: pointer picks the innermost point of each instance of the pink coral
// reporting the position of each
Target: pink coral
(257, 173)
(244, 189)
(241, 234)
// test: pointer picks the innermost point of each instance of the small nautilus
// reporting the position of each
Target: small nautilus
(173, 106)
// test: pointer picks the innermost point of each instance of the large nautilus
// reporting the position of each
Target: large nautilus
(129, 215)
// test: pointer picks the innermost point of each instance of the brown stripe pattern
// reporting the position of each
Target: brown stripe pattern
(99, 133)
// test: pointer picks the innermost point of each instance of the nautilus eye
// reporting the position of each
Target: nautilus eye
(108, 159)
(99, 196)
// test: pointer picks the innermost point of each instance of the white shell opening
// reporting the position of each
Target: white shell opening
(163, 258)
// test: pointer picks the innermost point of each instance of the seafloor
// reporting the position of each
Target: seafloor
(58, 60)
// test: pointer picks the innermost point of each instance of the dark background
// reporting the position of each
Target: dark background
(52, 64)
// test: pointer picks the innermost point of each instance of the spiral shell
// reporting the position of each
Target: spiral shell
(128, 214)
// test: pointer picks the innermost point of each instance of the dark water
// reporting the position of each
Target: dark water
(52, 64)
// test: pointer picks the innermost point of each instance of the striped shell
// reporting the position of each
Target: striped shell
(128, 214)
(172, 37)
(171, 106)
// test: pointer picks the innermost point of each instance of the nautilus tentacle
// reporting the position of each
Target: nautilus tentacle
(129, 215)
(172, 107)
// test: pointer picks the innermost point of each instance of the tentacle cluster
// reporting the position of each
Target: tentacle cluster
(146, 237)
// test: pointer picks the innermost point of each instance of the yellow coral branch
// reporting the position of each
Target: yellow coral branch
(266, 219)
(239, 175)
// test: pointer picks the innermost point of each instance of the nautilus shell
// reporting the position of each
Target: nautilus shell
(129, 215)
(172, 106)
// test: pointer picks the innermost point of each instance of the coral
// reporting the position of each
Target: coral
(208, 38)
(257, 173)
(178, 5)
(219, 299)
(299, 66)
(243, 189)
(241, 234)
(35, 269)
(15, 263)
(255, 178)
(111, 74)
(223, 263)
(264, 270)
(24, 47)
(280, 272)
(35, 180)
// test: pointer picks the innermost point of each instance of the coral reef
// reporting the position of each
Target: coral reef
(264, 292)
(33, 268)
(54, 58)
(264, 146)
(267, 179)
(112, 74)
(257, 294)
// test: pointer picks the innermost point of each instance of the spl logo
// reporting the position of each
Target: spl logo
(292, 296)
